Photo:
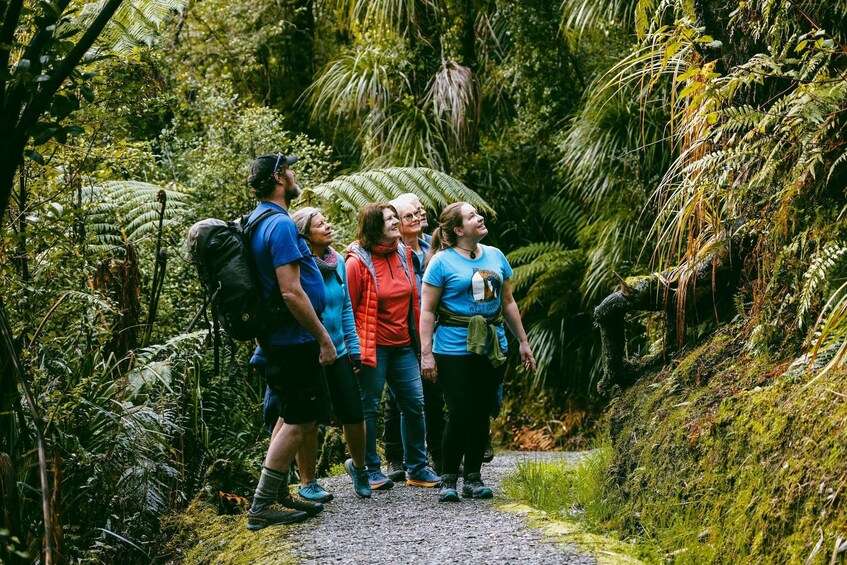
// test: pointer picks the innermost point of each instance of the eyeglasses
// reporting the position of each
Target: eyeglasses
(412, 215)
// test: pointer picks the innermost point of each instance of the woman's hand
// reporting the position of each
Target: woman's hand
(428, 369)
(527, 359)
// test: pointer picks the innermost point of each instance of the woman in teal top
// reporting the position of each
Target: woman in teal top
(337, 318)
(466, 288)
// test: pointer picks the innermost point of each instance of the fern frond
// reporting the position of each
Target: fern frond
(434, 188)
(821, 267)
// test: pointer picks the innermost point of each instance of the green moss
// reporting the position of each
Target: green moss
(718, 459)
(200, 535)
(714, 459)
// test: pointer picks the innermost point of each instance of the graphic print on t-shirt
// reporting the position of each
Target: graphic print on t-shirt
(485, 286)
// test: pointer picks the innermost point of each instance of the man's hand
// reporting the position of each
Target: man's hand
(328, 353)
(428, 369)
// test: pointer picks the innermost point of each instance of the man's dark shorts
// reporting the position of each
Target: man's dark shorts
(298, 379)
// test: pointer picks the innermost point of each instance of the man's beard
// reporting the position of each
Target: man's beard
(292, 191)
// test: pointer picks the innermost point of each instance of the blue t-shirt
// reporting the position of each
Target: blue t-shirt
(275, 242)
(468, 287)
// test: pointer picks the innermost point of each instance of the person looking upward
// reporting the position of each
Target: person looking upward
(466, 287)
(383, 293)
(296, 345)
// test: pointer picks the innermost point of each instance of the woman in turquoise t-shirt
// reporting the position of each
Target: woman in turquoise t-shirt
(466, 288)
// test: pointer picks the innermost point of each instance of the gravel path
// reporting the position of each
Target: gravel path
(409, 525)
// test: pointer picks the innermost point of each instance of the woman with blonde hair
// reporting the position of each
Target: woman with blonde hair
(466, 288)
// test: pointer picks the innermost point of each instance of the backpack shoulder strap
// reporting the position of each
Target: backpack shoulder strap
(249, 226)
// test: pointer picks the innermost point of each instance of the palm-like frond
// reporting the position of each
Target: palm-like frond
(585, 14)
(358, 82)
(404, 135)
(400, 16)
(455, 97)
(434, 188)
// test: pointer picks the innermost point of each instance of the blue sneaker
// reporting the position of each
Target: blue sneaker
(423, 477)
(314, 492)
(361, 486)
(378, 481)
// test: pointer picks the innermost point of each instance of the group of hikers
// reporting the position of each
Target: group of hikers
(422, 314)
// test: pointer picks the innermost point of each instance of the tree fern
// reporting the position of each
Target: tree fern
(434, 189)
(130, 210)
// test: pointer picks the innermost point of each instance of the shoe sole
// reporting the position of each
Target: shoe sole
(424, 484)
(483, 496)
(451, 497)
(321, 499)
(382, 486)
(293, 519)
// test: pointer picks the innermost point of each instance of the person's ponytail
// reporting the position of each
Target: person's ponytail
(443, 236)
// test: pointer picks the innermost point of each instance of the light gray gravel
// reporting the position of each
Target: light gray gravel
(409, 525)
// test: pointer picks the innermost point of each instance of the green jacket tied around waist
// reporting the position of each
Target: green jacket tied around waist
(481, 332)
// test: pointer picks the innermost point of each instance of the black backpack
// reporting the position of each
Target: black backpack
(221, 253)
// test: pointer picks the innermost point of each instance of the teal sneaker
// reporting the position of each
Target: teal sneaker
(361, 486)
(423, 477)
(447, 492)
(378, 481)
(473, 487)
(314, 492)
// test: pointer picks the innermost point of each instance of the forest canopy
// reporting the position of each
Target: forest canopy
(605, 139)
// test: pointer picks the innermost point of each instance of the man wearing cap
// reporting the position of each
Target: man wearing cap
(296, 347)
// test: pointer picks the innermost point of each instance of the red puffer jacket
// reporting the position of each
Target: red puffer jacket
(366, 304)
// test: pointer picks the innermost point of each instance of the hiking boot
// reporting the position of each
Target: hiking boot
(488, 455)
(360, 479)
(307, 506)
(473, 487)
(447, 492)
(378, 481)
(314, 492)
(423, 477)
(273, 515)
(396, 471)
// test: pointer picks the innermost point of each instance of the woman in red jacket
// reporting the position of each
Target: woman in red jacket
(385, 304)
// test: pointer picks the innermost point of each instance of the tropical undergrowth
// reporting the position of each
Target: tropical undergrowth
(719, 458)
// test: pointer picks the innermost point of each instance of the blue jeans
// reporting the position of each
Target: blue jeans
(398, 366)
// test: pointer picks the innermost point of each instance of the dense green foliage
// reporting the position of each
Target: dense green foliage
(717, 460)
(610, 138)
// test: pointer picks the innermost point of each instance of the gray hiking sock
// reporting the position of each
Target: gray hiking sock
(270, 483)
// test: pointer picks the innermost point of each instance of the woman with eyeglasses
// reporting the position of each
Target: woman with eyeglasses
(466, 287)
(384, 294)
(337, 318)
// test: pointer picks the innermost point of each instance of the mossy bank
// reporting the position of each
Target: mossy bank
(723, 458)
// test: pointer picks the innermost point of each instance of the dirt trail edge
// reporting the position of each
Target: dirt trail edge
(409, 525)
